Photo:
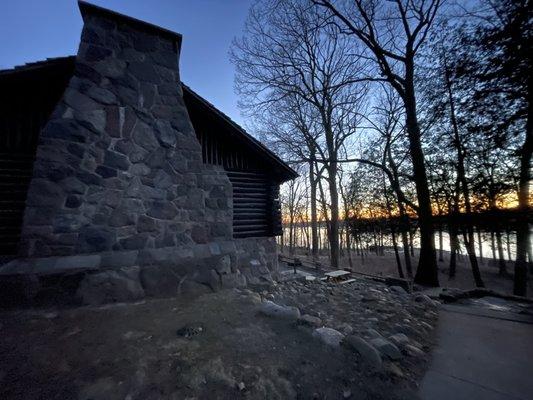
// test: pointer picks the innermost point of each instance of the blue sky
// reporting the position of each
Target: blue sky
(32, 30)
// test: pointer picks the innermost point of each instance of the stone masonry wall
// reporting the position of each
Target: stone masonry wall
(119, 190)
(118, 166)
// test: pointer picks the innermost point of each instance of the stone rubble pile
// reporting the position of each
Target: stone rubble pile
(387, 328)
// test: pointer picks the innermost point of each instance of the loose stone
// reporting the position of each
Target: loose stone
(369, 354)
(386, 348)
(413, 351)
(274, 310)
(310, 320)
(329, 336)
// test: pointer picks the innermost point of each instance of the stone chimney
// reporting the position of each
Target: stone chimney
(118, 174)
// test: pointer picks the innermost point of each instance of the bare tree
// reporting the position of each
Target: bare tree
(393, 32)
(289, 51)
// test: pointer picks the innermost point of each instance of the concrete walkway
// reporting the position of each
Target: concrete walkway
(481, 354)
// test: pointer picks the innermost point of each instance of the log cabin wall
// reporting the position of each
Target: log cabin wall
(256, 205)
(27, 98)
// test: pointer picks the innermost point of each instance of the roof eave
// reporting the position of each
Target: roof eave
(288, 172)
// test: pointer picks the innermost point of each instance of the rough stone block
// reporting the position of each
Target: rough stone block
(120, 217)
(162, 210)
(146, 224)
(199, 234)
(111, 286)
(223, 265)
(330, 337)
(271, 309)
(233, 280)
(44, 193)
(386, 348)
(368, 352)
(134, 242)
(116, 160)
(95, 239)
(118, 259)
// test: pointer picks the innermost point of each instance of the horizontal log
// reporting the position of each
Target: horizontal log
(258, 227)
(8, 237)
(10, 248)
(249, 207)
(10, 230)
(15, 177)
(249, 215)
(245, 173)
(249, 184)
(248, 178)
(10, 214)
(249, 191)
(241, 235)
(11, 204)
(250, 222)
(14, 195)
(250, 200)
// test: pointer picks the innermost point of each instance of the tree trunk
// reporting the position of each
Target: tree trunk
(334, 224)
(480, 245)
(348, 248)
(441, 256)
(522, 229)
(282, 241)
(454, 246)
(493, 246)
(426, 273)
(411, 242)
(314, 225)
(404, 229)
(396, 253)
(291, 235)
(501, 257)
(508, 243)
(461, 176)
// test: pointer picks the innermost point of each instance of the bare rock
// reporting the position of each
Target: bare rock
(310, 320)
(386, 348)
(271, 309)
(399, 339)
(398, 290)
(328, 336)
(404, 328)
(111, 286)
(369, 353)
(372, 333)
(393, 369)
(426, 325)
(345, 328)
(103, 388)
(425, 299)
(413, 351)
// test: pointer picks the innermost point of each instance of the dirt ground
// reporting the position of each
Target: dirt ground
(385, 265)
(213, 347)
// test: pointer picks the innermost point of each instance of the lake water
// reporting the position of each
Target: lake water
(508, 241)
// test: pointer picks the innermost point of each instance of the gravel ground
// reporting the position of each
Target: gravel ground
(294, 340)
